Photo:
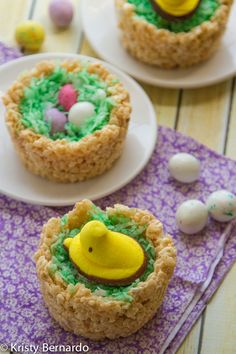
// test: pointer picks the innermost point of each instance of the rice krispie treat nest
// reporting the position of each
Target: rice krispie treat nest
(72, 153)
(94, 310)
(156, 41)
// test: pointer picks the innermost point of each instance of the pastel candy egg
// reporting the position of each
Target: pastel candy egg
(30, 35)
(191, 216)
(222, 205)
(57, 120)
(67, 96)
(100, 94)
(184, 167)
(80, 112)
(61, 12)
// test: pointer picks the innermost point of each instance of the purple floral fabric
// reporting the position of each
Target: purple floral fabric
(203, 260)
(8, 53)
(24, 318)
(221, 270)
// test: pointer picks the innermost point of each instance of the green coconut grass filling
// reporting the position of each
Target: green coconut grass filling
(62, 265)
(42, 93)
(204, 12)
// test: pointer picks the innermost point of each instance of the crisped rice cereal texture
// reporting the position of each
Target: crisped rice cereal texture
(85, 313)
(167, 49)
(61, 160)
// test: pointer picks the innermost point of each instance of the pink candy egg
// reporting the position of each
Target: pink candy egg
(67, 96)
(61, 12)
(57, 120)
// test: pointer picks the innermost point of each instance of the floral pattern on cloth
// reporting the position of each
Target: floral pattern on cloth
(201, 264)
(8, 53)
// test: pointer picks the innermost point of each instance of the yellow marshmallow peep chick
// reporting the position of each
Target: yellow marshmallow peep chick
(175, 9)
(105, 256)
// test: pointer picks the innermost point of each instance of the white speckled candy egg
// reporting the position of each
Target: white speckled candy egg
(80, 111)
(191, 216)
(184, 167)
(222, 205)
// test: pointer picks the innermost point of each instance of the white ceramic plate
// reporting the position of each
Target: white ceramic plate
(100, 26)
(18, 183)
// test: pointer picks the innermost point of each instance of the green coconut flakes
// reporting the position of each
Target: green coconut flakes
(42, 94)
(62, 265)
(204, 12)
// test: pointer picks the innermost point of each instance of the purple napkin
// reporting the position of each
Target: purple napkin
(203, 260)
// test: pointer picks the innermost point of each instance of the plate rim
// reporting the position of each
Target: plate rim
(113, 68)
(156, 82)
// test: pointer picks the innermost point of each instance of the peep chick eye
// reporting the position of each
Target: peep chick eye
(90, 249)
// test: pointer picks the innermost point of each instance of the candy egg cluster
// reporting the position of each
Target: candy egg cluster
(192, 215)
(74, 112)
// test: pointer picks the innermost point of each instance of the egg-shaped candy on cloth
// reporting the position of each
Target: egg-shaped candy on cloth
(67, 96)
(184, 167)
(56, 119)
(191, 216)
(30, 35)
(61, 12)
(80, 112)
(222, 205)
